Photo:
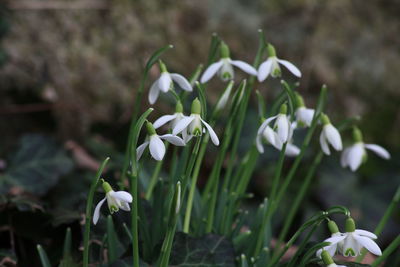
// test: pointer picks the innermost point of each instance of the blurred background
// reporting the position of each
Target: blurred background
(69, 71)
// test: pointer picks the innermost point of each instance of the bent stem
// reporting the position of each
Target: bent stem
(88, 217)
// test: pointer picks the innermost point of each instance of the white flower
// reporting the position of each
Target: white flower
(193, 124)
(224, 67)
(271, 66)
(156, 146)
(354, 155)
(281, 133)
(329, 135)
(165, 83)
(304, 116)
(174, 118)
(356, 239)
(334, 241)
(115, 200)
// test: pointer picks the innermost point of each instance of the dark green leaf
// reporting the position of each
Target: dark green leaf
(209, 250)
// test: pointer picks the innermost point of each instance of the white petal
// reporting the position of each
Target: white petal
(154, 92)
(333, 136)
(380, 151)
(181, 81)
(244, 67)
(324, 144)
(226, 72)
(157, 148)
(210, 71)
(291, 150)
(271, 137)
(365, 233)
(140, 150)
(350, 243)
(163, 120)
(214, 137)
(164, 82)
(369, 244)
(125, 206)
(173, 139)
(355, 156)
(122, 196)
(96, 214)
(264, 70)
(305, 115)
(182, 124)
(292, 68)
(265, 124)
(259, 145)
(344, 162)
(335, 239)
(283, 127)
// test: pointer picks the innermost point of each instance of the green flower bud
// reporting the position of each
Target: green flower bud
(163, 68)
(224, 50)
(299, 100)
(150, 128)
(106, 186)
(350, 225)
(271, 50)
(325, 119)
(333, 228)
(283, 109)
(327, 259)
(196, 106)
(357, 135)
(178, 107)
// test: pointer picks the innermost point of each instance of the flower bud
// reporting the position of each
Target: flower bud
(350, 225)
(224, 50)
(196, 106)
(333, 228)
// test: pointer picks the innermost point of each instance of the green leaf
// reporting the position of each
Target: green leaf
(43, 256)
(38, 164)
(209, 250)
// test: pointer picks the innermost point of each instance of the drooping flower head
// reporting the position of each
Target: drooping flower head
(193, 124)
(166, 83)
(304, 115)
(173, 119)
(356, 239)
(356, 154)
(329, 135)
(336, 240)
(156, 146)
(328, 261)
(224, 67)
(271, 66)
(115, 200)
(281, 133)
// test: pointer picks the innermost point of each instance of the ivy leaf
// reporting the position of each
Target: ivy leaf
(37, 165)
(209, 250)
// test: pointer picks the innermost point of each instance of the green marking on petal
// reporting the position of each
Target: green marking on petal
(350, 252)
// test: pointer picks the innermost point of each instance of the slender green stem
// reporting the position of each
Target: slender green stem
(388, 213)
(299, 197)
(43, 256)
(88, 217)
(155, 175)
(261, 234)
(389, 250)
(189, 204)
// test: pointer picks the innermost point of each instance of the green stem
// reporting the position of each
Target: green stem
(389, 250)
(261, 234)
(88, 217)
(299, 197)
(388, 213)
(155, 175)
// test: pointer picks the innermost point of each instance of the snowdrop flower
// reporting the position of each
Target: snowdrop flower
(193, 124)
(278, 135)
(336, 240)
(156, 146)
(328, 261)
(271, 66)
(165, 83)
(115, 200)
(356, 239)
(329, 135)
(174, 118)
(304, 115)
(356, 154)
(224, 67)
